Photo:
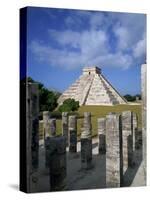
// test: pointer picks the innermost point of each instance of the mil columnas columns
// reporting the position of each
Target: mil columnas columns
(86, 142)
(113, 150)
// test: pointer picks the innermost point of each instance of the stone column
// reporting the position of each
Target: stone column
(52, 127)
(72, 133)
(138, 138)
(127, 139)
(113, 151)
(144, 104)
(86, 142)
(101, 126)
(65, 126)
(41, 130)
(135, 129)
(32, 142)
(46, 116)
(46, 129)
(57, 162)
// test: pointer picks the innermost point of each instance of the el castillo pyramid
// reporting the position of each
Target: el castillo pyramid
(92, 88)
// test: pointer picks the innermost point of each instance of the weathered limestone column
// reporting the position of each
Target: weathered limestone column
(46, 116)
(72, 133)
(41, 130)
(101, 126)
(65, 126)
(52, 127)
(57, 162)
(144, 104)
(46, 129)
(113, 151)
(138, 138)
(127, 139)
(135, 129)
(86, 142)
(32, 142)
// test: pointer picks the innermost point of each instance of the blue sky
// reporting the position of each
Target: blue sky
(61, 42)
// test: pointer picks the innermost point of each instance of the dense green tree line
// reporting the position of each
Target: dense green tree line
(129, 97)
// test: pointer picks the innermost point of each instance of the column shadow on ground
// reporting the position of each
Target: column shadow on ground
(132, 170)
(79, 179)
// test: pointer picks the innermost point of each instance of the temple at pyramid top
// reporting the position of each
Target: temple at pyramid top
(91, 70)
(92, 88)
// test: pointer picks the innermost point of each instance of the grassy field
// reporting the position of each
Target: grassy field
(102, 111)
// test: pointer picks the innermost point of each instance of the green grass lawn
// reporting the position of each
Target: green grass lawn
(101, 111)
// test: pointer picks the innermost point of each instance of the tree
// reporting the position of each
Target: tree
(47, 98)
(129, 97)
(69, 105)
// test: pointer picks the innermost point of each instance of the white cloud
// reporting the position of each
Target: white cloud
(67, 37)
(91, 46)
(71, 60)
(89, 43)
(129, 30)
(55, 57)
(119, 60)
(139, 49)
(123, 37)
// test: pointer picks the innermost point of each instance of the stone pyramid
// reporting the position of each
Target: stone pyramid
(92, 88)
